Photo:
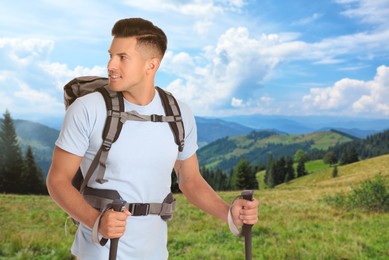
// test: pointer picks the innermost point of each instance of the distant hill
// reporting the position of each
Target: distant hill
(209, 130)
(257, 145)
(41, 139)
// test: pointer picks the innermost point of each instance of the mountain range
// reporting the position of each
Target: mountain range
(359, 127)
(42, 137)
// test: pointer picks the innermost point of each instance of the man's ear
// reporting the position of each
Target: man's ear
(153, 65)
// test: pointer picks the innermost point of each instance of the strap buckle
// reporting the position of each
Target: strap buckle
(156, 118)
(139, 209)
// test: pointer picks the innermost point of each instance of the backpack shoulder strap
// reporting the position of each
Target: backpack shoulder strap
(171, 108)
(112, 128)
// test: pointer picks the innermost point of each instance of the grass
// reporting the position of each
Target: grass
(294, 223)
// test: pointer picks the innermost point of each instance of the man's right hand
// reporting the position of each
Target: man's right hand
(113, 223)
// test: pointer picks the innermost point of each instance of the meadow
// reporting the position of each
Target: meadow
(295, 223)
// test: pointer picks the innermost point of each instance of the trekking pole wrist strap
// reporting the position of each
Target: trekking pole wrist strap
(233, 228)
(95, 230)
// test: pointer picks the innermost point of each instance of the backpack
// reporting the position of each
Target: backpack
(116, 116)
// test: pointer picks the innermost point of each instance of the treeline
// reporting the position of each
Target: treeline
(359, 149)
(242, 177)
(282, 170)
(19, 172)
(372, 146)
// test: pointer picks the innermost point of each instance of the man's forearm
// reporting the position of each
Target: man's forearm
(71, 201)
(200, 194)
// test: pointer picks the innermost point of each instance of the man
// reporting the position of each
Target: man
(139, 163)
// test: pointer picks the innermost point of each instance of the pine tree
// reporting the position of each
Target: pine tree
(269, 174)
(243, 176)
(12, 161)
(349, 155)
(289, 169)
(330, 158)
(300, 155)
(32, 178)
(279, 171)
(301, 169)
(353, 155)
(335, 172)
(252, 180)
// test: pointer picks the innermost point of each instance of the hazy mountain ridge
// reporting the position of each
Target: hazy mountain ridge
(359, 127)
(41, 138)
(209, 130)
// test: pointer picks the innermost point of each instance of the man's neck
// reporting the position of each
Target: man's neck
(141, 96)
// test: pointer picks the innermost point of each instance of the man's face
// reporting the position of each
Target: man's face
(126, 67)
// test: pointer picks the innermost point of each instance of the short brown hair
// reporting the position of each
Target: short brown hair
(143, 30)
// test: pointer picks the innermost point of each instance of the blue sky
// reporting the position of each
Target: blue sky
(225, 57)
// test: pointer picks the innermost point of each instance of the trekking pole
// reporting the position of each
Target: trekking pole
(246, 229)
(117, 205)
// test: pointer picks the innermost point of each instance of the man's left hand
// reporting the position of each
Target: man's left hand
(245, 212)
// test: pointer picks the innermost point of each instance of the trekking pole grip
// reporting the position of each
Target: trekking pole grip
(246, 229)
(117, 205)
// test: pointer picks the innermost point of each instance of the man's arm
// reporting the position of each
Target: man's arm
(59, 184)
(199, 193)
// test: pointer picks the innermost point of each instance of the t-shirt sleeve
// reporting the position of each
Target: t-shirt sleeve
(75, 131)
(190, 145)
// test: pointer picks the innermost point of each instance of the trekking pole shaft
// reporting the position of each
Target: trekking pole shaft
(113, 248)
(247, 241)
(246, 229)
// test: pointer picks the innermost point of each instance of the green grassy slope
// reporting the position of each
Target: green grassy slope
(351, 174)
(294, 223)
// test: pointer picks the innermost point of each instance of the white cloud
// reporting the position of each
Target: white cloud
(62, 74)
(348, 96)
(239, 64)
(198, 16)
(215, 75)
(23, 52)
(371, 12)
(41, 102)
(20, 97)
(265, 100)
(236, 102)
(28, 83)
(241, 54)
(199, 8)
(308, 20)
(376, 101)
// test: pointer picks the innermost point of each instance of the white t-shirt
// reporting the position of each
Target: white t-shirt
(139, 167)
